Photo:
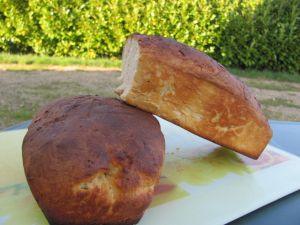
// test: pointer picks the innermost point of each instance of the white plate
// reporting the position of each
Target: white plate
(201, 182)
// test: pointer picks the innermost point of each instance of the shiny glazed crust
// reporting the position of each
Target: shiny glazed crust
(92, 161)
(188, 88)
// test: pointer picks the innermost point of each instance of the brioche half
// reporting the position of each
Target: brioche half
(93, 161)
(188, 88)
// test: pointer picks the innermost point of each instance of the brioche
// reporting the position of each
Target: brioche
(92, 161)
(188, 88)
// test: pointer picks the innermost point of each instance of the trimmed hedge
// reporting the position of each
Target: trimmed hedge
(261, 34)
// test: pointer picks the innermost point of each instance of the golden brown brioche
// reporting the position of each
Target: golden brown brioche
(188, 88)
(91, 161)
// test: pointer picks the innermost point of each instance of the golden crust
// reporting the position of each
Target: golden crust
(90, 160)
(188, 88)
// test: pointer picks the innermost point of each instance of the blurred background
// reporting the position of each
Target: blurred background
(55, 48)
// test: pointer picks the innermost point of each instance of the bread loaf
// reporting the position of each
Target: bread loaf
(188, 88)
(93, 161)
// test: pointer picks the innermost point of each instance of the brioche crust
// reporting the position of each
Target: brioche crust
(188, 88)
(93, 161)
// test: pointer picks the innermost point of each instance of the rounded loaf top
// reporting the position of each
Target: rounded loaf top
(91, 160)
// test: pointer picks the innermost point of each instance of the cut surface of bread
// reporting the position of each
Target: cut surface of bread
(190, 89)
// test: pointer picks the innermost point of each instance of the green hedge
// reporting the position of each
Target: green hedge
(261, 34)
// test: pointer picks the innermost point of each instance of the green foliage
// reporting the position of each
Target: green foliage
(261, 34)
(266, 37)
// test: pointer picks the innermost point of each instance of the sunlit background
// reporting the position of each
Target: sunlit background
(55, 48)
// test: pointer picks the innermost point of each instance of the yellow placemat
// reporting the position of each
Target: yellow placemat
(17, 206)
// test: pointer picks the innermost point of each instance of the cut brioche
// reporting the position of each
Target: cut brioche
(188, 88)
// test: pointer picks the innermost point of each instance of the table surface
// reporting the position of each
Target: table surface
(285, 211)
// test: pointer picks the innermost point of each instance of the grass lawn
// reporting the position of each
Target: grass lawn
(23, 92)
(36, 62)
(269, 75)
(40, 62)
